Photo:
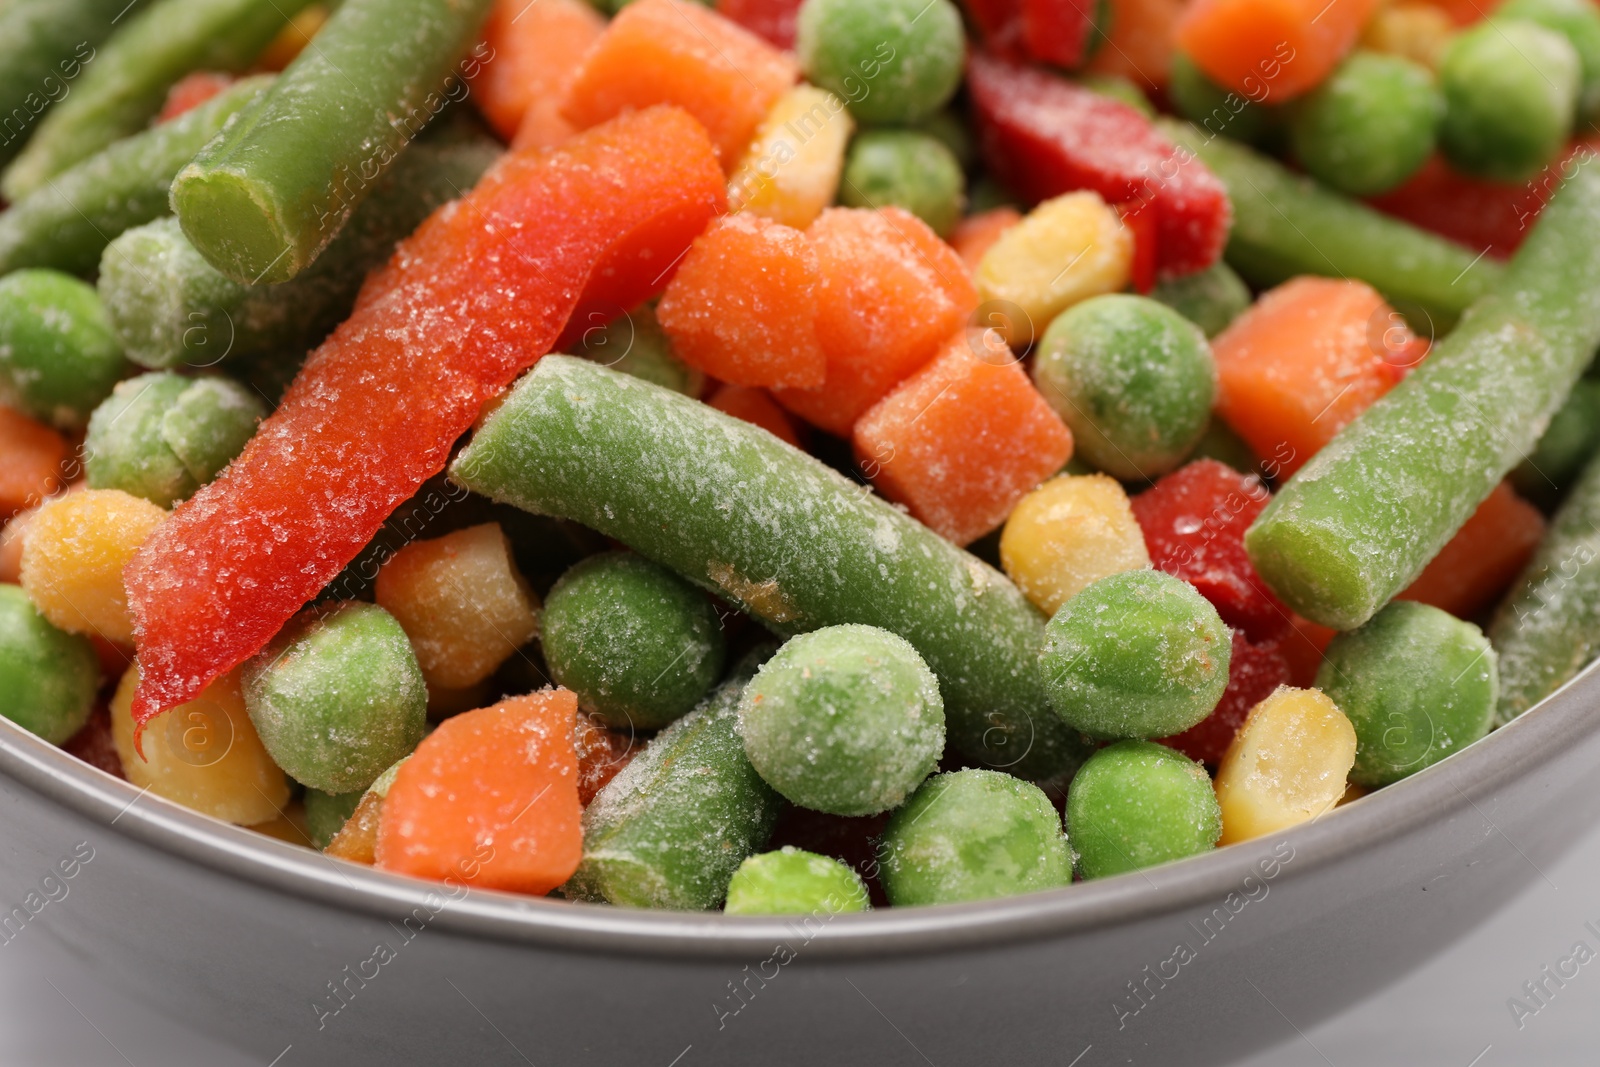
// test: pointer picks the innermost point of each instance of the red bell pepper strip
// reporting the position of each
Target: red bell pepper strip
(771, 20)
(1058, 31)
(1044, 136)
(478, 294)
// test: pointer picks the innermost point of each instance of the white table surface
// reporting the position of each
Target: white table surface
(1451, 1013)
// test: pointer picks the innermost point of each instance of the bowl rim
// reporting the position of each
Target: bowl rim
(1557, 723)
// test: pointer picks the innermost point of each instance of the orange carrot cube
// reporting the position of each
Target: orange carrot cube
(1476, 565)
(976, 234)
(537, 50)
(31, 457)
(963, 439)
(490, 799)
(1271, 50)
(756, 406)
(743, 303)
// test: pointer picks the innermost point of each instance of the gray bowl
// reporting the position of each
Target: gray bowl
(285, 953)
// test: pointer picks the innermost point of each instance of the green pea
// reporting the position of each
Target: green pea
(1139, 654)
(1135, 804)
(794, 882)
(636, 344)
(1510, 90)
(58, 356)
(973, 835)
(1579, 23)
(906, 169)
(845, 719)
(1121, 89)
(1219, 111)
(1132, 378)
(1211, 298)
(639, 645)
(892, 61)
(162, 437)
(48, 677)
(337, 697)
(1416, 682)
(326, 813)
(1369, 126)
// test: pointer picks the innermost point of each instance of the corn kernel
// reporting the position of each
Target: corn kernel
(204, 754)
(791, 170)
(1287, 764)
(1418, 32)
(462, 602)
(1065, 250)
(1069, 532)
(73, 556)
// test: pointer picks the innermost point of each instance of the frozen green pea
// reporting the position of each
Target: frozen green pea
(1132, 378)
(48, 677)
(326, 813)
(890, 60)
(1571, 438)
(973, 835)
(639, 645)
(1217, 110)
(1135, 804)
(907, 169)
(162, 436)
(1579, 23)
(792, 881)
(636, 344)
(337, 696)
(1138, 654)
(845, 719)
(1369, 126)
(1211, 298)
(1417, 683)
(1510, 90)
(58, 356)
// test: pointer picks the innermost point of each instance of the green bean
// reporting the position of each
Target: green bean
(127, 83)
(44, 45)
(1285, 224)
(734, 509)
(262, 201)
(1367, 513)
(1572, 437)
(67, 224)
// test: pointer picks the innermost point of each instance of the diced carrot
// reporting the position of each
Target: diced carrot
(537, 50)
(1140, 44)
(1271, 49)
(191, 91)
(490, 799)
(1304, 361)
(963, 439)
(31, 459)
(771, 20)
(976, 234)
(1302, 646)
(675, 52)
(743, 304)
(1476, 565)
(891, 293)
(756, 406)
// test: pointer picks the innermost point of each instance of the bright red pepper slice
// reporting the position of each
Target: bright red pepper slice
(1044, 136)
(1058, 31)
(473, 298)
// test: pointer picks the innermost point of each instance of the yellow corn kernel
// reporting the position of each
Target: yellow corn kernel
(1287, 764)
(791, 170)
(1063, 251)
(73, 556)
(1072, 530)
(282, 49)
(462, 602)
(1418, 32)
(204, 754)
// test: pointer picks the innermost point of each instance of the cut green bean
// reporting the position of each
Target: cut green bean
(44, 45)
(58, 357)
(68, 223)
(1572, 437)
(1548, 627)
(127, 83)
(1367, 513)
(732, 508)
(1285, 224)
(171, 308)
(670, 830)
(263, 201)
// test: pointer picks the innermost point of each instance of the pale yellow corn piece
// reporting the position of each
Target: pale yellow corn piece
(73, 556)
(1069, 532)
(1418, 32)
(791, 170)
(462, 602)
(1062, 252)
(1287, 764)
(204, 754)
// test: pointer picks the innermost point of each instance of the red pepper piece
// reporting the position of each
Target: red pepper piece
(1044, 136)
(1194, 521)
(771, 20)
(1142, 224)
(473, 298)
(1058, 31)
(1253, 673)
